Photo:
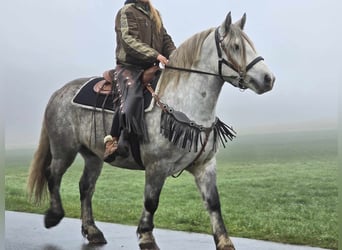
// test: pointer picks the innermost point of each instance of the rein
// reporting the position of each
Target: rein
(221, 61)
(199, 72)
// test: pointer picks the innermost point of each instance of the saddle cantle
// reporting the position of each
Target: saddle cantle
(108, 75)
(105, 86)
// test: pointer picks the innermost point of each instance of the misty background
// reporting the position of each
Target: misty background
(45, 44)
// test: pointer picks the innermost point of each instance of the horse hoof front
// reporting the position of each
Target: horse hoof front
(225, 243)
(52, 218)
(148, 246)
(94, 236)
(147, 242)
(97, 239)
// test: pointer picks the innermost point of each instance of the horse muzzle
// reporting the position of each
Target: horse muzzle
(262, 85)
(269, 80)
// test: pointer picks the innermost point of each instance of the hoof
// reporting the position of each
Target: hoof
(148, 246)
(52, 219)
(147, 242)
(225, 244)
(96, 239)
(94, 236)
(228, 248)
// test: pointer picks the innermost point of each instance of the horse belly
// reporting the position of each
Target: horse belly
(126, 163)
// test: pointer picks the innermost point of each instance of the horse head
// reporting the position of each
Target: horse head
(245, 68)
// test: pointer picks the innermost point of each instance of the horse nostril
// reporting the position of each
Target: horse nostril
(267, 79)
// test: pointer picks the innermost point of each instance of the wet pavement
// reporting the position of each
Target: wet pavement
(26, 232)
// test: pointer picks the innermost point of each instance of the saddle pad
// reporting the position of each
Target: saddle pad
(86, 97)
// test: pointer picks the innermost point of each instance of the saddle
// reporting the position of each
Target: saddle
(105, 86)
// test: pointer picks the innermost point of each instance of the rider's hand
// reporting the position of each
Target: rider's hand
(162, 59)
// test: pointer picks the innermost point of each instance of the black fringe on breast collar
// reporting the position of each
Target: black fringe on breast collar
(186, 134)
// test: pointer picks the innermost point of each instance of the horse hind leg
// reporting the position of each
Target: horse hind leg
(153, 185)
(54, 174)
(91, 172)
(205, 177)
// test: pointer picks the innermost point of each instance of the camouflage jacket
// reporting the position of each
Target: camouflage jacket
(138, 41)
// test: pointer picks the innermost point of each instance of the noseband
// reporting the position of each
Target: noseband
(221, 61)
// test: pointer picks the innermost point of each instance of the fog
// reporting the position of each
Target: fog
(45, 44)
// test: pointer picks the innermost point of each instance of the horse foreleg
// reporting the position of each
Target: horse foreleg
(91, 172)
(153, 186)
(205, 177)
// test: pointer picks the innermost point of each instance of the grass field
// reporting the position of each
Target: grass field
(278, 187)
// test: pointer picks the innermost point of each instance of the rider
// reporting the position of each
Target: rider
(142, 41)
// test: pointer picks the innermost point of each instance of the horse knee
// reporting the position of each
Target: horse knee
(152, 194)
(212, 201)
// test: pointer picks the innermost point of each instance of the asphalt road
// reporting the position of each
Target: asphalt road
(26, 232)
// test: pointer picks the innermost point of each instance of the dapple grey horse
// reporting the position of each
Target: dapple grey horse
(190, 84)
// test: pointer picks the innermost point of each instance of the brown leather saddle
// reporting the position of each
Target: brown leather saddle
(105, 86)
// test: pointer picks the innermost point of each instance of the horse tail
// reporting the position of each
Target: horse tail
(37, 181)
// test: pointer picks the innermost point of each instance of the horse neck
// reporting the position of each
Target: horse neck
(196, 94)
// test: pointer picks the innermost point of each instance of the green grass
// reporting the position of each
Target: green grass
(278, 187)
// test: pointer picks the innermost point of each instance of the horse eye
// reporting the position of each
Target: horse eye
(236, 46)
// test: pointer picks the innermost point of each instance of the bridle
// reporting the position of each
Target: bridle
(240, 79)
(242, 74)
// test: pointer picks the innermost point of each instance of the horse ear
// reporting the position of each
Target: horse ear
(241, 23)
(226, 24)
